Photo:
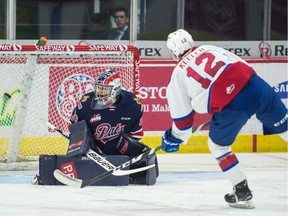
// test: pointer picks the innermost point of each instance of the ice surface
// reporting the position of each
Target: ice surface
(189, 184)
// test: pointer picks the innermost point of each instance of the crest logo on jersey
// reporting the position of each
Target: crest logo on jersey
(105, 132)
(230, 89)
(95, 117)
(70, 91)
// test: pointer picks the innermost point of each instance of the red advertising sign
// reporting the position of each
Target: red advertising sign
(154, 80)
(153, 97)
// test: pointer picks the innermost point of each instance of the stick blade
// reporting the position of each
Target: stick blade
(67, 180)
(131, 171)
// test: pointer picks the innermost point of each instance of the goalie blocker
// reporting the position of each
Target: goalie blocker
(77, 165)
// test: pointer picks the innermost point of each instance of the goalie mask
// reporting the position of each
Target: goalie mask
(107, 89)
(178, 43)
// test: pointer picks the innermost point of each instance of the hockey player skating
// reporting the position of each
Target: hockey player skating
(209, 79)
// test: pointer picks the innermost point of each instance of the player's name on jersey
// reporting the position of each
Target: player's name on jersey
(155, 107)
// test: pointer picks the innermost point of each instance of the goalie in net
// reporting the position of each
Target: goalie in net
(109, 115)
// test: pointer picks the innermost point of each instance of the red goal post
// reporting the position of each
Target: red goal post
(43, 84)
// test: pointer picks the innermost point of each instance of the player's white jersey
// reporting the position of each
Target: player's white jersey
(205, 80)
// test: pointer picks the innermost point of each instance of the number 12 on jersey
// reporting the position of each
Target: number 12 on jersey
(212, 71)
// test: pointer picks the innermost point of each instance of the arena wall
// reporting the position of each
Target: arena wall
(155, 75)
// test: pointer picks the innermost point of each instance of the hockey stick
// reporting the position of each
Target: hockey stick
(101, 160)
(79, 183)
(73, 182)
(200, 127)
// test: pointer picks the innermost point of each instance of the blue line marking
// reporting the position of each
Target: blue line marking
(17, 179)
(163, 177)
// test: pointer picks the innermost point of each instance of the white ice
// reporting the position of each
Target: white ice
(189, 184)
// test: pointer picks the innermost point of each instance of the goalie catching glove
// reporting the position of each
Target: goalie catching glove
(128, 146)
(170, 143)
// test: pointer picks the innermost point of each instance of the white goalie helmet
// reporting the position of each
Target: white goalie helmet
(178, 43)
(107, 89)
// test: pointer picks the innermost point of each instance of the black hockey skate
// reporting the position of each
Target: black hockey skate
(241, 197)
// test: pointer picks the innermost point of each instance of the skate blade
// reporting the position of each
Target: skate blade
(243, 204)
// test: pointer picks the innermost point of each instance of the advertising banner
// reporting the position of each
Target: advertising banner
(154, 79)
(158, 50)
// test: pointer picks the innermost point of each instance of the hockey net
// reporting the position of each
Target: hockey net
(41, 84)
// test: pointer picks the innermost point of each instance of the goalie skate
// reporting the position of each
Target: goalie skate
(35, 180)
(241, 197)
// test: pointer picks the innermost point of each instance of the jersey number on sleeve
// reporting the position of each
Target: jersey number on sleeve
(205, 82)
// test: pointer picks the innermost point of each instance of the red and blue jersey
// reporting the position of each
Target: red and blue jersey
(204, 81)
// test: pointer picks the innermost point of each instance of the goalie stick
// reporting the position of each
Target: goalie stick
(101, 160)
(79, 183)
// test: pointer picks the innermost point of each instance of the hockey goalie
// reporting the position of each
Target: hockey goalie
(108, 122)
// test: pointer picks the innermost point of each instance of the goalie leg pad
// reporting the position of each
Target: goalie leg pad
(147, 177)
(47, 165)
(79, 167)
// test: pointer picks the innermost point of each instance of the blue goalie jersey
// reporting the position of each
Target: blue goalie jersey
(107, 124)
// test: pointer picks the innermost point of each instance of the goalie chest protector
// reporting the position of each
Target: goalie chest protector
(81, 168)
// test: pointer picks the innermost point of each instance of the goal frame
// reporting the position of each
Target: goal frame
(32, 52)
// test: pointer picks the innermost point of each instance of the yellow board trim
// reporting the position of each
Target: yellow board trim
(243, 143)
(34, 146)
